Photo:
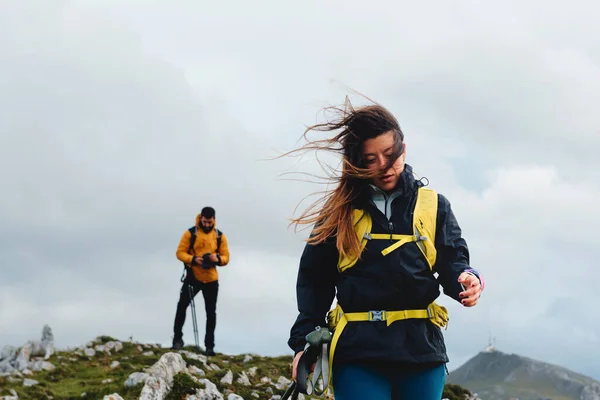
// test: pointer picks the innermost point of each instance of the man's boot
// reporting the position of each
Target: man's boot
(177, 344)
(210, 351)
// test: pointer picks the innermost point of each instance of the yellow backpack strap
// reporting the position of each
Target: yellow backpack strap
(424, 223)
(362, 226)
(424, 229)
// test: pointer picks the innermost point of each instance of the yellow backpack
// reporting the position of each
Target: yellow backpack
(424, 229)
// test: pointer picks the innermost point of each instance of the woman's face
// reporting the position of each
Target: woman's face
(376, 153)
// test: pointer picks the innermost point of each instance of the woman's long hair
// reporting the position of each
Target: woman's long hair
(335, 217)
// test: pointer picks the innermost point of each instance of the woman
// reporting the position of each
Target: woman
(377, 356)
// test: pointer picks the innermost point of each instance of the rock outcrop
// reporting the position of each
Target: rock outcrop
(29, 357)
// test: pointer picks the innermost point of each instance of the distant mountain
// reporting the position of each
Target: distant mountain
(494, 375)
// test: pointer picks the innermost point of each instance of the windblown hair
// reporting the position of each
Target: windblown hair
(355, 126)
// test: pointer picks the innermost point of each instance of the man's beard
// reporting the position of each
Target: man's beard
(206, 229)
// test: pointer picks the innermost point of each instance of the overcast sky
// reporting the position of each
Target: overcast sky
(120, 120)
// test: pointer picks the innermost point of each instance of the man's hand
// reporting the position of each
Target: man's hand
(472, 289)
(213, 257)
(198, 260)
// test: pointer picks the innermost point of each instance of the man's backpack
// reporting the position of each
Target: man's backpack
(193, 231)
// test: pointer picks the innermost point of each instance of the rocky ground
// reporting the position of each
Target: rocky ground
(110, 369)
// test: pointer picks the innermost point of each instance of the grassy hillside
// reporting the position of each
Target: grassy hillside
(75, 375)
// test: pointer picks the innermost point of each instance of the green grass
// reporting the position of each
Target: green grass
(455, 392)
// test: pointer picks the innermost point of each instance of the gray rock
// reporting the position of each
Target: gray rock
(193, 356)
(228, 378)
(8, 353)
(196, 371)
(136, 378)
(41, 365)
(243, 379)
(6, 367)
(30, 382)
(114, 396)
(160, 381)
(13, 396)
(210, 392)
(22, 360)
(282, 383)
(47, 342)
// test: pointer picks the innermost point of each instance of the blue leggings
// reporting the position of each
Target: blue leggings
(356, 382)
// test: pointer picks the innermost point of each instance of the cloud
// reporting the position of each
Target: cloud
(119, 122)
(537, 261)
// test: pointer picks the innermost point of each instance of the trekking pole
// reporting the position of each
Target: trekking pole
(195, 323)
(292, 390)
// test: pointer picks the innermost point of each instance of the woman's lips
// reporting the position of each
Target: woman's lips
(387, 178)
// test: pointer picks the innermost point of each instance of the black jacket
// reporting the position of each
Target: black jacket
(401, 280)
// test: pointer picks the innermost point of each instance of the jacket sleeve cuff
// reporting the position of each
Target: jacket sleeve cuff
(478, 275)
(298, 347)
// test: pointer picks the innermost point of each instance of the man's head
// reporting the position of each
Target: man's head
(207, 219)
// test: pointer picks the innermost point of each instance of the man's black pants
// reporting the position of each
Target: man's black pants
(209, 292)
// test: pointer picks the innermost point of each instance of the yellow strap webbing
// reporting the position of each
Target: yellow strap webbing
(389, 316)
(438, 315)
(400, 240)
(336, 335)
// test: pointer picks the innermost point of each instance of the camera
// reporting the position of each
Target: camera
(206, 261)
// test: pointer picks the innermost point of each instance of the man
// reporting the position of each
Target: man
(208, 251)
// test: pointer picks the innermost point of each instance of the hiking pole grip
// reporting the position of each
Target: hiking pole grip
(315, 352)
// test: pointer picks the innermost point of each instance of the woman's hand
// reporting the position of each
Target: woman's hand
(295, 365)
(472, 289)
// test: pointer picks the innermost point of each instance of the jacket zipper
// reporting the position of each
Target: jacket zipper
(390, 224)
